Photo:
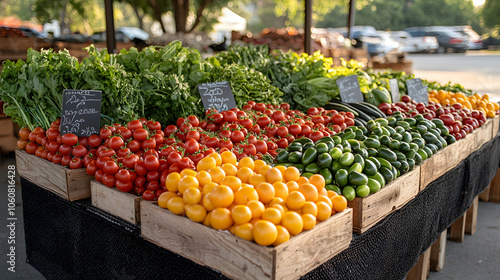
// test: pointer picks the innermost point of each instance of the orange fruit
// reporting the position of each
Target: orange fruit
(273, 215)
(233, 182)
(204, 178)
(221, 196)
(229, 169)
(325, 199)
(186, 182)
(309, 191)
(339, 203)
(295, 200)
(291, 174)
(292, 221)
(196, 213)
(256, 179)
(164, 198)
(265, 191)
(221, 218)
(302, 180)
(318, 181)
(206, 164)
(309, 221)
(324, 211)
(207, 203)
(209, 187)
(274, 175)
(275, 201)
(172, 180)
(241, 214)
(217, 174)
(228, 157)
(280, 190)
(187, 172)
(264, 233)
(206, 221)
(310, 208)
(176, 205)
(282, 169)
(292, 186)
(244, 174)
(217, 157)
(258, 164)
(331, 193)
(246, 162)
(257, 208)
(283, 235)
(244, 195)
(283, 209)
(192, 196)
(244, 231)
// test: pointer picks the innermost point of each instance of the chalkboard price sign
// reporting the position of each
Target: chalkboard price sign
(81, 112)
(217, 95)
(350, 91)
(417, 91)
(393, 84)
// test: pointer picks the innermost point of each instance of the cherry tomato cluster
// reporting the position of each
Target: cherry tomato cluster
(459, 120)
(138, 157)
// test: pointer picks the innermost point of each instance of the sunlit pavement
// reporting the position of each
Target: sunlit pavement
(477, 70)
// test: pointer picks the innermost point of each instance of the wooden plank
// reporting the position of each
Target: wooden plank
(241, 259)
(373, 208)
(471, 217)
(115, 202)
(70, 184)
(444, 160)
(495, 126)
(8, 144)
(482, 135)
(457, 229)
(485, 195)
(495, 188)
(438, 250)
(6, 127)
(421, 269)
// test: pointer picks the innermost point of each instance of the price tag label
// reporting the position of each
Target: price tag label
(393, 84)
(81, 112)
(350, 91)
(217, 95)
(417, 91)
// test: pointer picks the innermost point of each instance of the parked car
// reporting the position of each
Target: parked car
(123, 35)
(475, 41)
(446, 37)
(415, 44)
(375, 43)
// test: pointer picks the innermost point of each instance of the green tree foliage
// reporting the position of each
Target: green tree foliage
(491, 13)
(18, 8)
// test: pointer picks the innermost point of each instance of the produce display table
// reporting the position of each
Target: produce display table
(74, 240)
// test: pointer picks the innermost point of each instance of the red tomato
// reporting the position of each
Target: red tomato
(65, 160)
(170, 129)
(135, 124)
(250, 150)
(278, 116)
(91, 168)
(173, 157)
(56, 159)
(105, 133)
(180, 121)
(124, 186)
(225, 144)
(282, 131)
(153, 125)
(256, 129)
(153, 176)
(174, 168)
(312, 111)
(110, 167)
(149, 195)
(349, 122)
(123, 152)
(237, 136)
(123, 175)
(151, 162)
(140, 134)
(263, 121)
(306, 130)
(94, 141)
(51, 133)
(70, 139)
(76, 163)
(65, 150)
(193, 134)
(186, 162)
(79, 151)
(106, 152)
(316, 135)
(191, 146)
(318, 120)
(282, 143)
(338, 119)
(193, 120)
(216, 118)
(148, 144)
(134, 146)
(153, 186)
(130, 160)
(108, 180)
(52, 146)
(50, 155)
(141, 181)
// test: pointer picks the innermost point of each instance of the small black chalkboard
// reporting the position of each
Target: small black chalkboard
(81, 112)
(217, 95)
(417, 91)
(393, 84)
(350, 91)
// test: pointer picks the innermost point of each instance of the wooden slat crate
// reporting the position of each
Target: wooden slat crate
(444, 160)
(368, 211)
(70, 184)
(496, 123)
(115, 202)
(241, 259)
(482, 135)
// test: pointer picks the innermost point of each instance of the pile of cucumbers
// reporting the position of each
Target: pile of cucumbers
(363, 111)
(362, 160)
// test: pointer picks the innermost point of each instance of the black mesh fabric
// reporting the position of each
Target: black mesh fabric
(74, 240)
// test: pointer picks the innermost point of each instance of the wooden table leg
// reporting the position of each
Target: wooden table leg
(485, 195)
(457, 229)
(471, 217)
(438, 250)
(495, 188)
(421, 269)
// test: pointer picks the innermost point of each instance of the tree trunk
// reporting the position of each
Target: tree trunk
(199, 14)
(157, 14)
(181, 12)
(139, 17)
(63, 25)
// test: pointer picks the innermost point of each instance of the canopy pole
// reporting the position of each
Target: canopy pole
(110, 26)
(307, 27)
(350, 19)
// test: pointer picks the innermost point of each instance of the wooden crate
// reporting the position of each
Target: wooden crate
(495, 126)
(240, 259)
(444, 160)
(115, 202)
(370, 210)
(70, 184)
(482, 135)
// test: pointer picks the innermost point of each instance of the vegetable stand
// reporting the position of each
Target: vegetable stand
(76, 240)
